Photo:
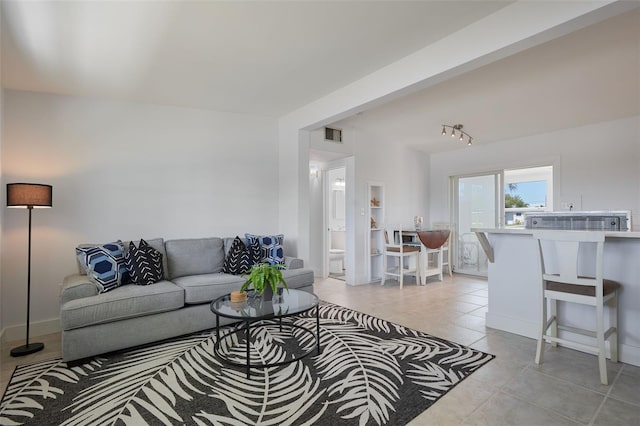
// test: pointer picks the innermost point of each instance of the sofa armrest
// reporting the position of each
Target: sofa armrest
(293, 263)
(77, 286)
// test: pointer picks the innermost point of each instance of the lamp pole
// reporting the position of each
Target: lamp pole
(34, 347)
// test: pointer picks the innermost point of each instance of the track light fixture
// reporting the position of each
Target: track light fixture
(456, 128)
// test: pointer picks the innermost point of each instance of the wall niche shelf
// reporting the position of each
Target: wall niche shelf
(375, 230)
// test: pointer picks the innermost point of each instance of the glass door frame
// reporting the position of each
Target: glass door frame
(455, 211)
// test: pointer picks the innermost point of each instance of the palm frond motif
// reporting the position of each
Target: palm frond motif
(272, 396)
(33, 383)
(365, 378)
(436, 379)
(339, 314)
(425, 347)
(148, 380)
(263, 347)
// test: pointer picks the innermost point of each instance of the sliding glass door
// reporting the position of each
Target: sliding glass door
(477, 205)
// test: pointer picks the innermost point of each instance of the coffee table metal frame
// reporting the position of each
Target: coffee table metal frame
(247, 321)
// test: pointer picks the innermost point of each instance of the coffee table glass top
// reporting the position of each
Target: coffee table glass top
(285, 303)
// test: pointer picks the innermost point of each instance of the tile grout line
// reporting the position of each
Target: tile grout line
(606, 396)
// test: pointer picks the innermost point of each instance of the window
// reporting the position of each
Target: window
(527, 190)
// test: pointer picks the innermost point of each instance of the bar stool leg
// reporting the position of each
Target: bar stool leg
(554, 324)
(543, 330)
(602, 356)
(613, 321)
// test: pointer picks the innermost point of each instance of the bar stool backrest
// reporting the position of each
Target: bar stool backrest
(565, 257)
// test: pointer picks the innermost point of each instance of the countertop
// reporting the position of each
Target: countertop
(524, 231)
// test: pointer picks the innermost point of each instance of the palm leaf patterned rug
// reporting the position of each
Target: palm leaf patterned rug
(370, 372)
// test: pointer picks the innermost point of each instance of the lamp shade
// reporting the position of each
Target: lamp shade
(29, 195)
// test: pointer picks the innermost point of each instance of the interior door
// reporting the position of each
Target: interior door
(478, 205)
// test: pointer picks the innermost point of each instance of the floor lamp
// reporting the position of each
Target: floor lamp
(29, 196)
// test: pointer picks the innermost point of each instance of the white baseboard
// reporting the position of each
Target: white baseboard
(39, 328)
(626, 353)
(512, 325)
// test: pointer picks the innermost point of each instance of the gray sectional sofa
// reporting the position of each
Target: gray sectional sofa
(133, 315)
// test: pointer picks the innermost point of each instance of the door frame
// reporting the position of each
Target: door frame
(455, 208)
(348, 163)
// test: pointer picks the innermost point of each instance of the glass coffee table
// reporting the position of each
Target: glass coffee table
(254, 314)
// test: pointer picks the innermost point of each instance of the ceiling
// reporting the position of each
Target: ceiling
(260, 57)
(272, 57)
(589, 76)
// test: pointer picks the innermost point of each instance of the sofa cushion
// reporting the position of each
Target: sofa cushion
(123, 302)
(207, 287)
(144, 264)
(271, 246)
(104, 265)
(194, 256)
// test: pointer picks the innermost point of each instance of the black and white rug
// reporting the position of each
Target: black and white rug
(370, 372)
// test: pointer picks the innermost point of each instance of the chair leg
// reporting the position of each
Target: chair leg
(543, 330)
(401, 269)
(554, 324)
(449, 256)
(384, 268)
(613, 322)
(418, 269)
(602, 356)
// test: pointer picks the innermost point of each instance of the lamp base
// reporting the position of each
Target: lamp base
(27, 349)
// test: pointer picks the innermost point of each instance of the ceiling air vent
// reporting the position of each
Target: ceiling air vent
(333, 135)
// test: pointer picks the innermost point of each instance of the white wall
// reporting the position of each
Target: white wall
(404, 174)
(124, 170)
(596, 167)
(316, 222)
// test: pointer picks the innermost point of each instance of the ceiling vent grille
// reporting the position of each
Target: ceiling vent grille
(332, 135)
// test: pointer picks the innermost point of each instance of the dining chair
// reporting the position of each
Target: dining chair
(400, 252)
(565, 258)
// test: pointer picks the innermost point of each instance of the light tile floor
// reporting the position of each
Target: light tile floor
(510, 390)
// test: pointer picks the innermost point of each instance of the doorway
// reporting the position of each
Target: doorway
(335, 221)
(477, 205)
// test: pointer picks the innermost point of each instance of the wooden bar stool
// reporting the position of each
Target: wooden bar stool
(559, 255)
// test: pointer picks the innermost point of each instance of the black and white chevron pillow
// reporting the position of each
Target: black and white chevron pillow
(144, 264)
(241, 258)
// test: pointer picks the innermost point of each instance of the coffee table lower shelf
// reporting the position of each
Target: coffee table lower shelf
(246, 327)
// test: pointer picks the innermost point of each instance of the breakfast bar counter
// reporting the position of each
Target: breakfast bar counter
(515, 293)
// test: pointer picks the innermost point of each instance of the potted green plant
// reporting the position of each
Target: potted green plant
(265, 279)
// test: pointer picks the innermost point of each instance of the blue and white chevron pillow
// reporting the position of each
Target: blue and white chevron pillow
(104, 265)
